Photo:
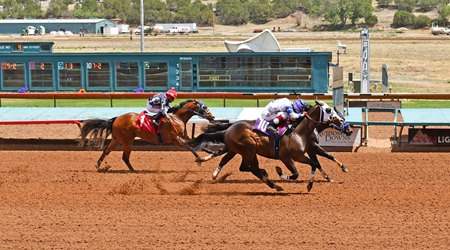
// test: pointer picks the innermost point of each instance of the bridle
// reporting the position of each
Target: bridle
(202, 113)
(320, 121)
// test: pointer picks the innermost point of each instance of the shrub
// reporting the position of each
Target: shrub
(371, 20)
(422, 21)
(403, 19)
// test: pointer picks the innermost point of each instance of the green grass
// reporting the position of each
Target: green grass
(120, 103)
(209, 102)
(426, 104)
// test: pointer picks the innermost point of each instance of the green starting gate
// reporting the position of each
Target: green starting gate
(35, 67)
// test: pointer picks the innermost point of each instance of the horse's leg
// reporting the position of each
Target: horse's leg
(304, 159)
(126, 147)
(222, 163)
(313, 157)
(320, 151)
(313, 165)
(212, 155)
(112, 145)
(261, 173)
(289, 163)
(183, 143)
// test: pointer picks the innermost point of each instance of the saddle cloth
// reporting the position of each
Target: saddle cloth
(144, 123)
(261, 126)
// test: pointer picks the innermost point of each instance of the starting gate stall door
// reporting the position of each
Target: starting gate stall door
(127, 75)
(13, 74)
(70, 75)
(99, 75)
(156, 75)
(41, 75)
(184, 73)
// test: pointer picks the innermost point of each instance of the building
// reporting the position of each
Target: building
(88, 26)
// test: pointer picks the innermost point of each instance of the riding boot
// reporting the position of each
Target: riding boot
(155, 120)
(271, 127)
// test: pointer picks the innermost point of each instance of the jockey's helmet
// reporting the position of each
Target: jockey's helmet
(299, 105)
(171, 94)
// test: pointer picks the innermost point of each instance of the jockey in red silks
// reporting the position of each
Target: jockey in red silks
(159, 104)
(281, 111)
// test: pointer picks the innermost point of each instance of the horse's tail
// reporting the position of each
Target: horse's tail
(215, 127)
(204, 138)
(94, 132)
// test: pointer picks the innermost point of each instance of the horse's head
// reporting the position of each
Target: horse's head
(198, 108)
(340, 124)
(328, 117)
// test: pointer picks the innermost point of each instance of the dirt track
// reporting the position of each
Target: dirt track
(57, 200)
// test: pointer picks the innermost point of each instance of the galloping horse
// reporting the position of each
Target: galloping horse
(241, 139)
(313, 148)
(124, 129)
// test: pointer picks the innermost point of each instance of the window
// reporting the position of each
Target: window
(270, 71)
(70, 75)
(41, 75)
(186, 74)
(127, 74)
(13, 74)
(156, 74)
(98, 74)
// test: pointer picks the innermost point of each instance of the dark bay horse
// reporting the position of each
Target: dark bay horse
(123, 130)
(241, 139)
(312, 149)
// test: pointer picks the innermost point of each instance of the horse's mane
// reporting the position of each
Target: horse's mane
(174, 109)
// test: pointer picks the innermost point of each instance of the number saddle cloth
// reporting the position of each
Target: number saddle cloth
(144, 122)
(261, 126)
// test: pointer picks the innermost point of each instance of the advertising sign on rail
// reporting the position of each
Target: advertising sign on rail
(333, 138)
(433, 137)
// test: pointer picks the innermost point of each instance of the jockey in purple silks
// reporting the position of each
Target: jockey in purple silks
(159, 104)
(280, 111)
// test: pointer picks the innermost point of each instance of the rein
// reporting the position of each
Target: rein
(195, 112)
(316, 122)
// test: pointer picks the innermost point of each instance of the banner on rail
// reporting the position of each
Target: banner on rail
(333, 138)
(436, 137)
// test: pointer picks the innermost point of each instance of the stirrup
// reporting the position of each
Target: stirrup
(272, 129)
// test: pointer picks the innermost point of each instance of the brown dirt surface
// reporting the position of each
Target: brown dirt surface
(56, 200)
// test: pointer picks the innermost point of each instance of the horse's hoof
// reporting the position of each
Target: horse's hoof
(344, 169)
(279, 172)
(309, 186)
(215, 174)
(278, 188)
(329, 179)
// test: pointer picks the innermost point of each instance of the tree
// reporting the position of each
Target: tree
(443, 11)
(260, 11)
(116, 9)
(57, 8)
(89, 9)
(283, 8)
(21, 9)
(359, 9)
(427, 5)
(406, 5)
(232, 12)
(384, 3)
(196, 12)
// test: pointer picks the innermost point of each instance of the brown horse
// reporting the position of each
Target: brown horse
(240, 138)
(312, 149)
(123, 130)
